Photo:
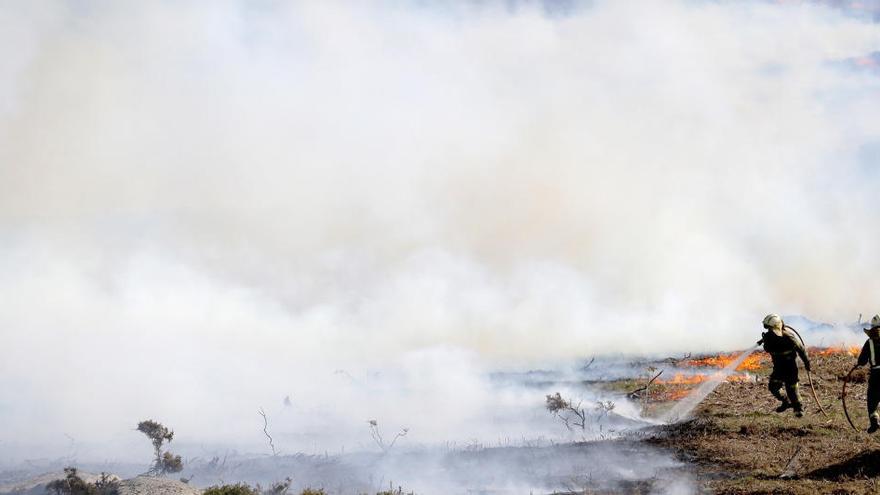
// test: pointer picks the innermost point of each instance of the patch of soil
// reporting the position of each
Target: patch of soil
(741, 446)
(151, 485)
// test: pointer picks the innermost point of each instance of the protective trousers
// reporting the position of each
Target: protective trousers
(787, 376)
(874, 394)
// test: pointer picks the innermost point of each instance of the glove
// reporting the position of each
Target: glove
(807, 365)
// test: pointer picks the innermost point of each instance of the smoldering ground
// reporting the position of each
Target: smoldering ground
(460, 458)
(206, 207)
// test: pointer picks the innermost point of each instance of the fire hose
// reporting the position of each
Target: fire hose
(810, 377)
(843, 397)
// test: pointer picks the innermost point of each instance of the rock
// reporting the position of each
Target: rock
(152, 485)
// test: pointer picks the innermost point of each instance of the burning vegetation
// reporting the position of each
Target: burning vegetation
(661, 387)
(751, 363)
(686, 379)
(736, 439)
(740, 445)
(676, 382)
(834, 351)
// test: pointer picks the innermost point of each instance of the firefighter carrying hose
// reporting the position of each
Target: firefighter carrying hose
(784, 347)
(870, 355)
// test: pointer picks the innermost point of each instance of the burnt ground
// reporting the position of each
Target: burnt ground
(740, 445)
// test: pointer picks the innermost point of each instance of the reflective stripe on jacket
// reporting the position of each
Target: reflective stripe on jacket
(873, 357)
(869, 355)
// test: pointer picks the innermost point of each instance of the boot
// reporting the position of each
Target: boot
(874, 425)
(798, 412)
(785, 406)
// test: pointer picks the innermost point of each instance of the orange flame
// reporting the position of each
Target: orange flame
(751, 363)
(831, 351)
(678, 394)
(685, 379)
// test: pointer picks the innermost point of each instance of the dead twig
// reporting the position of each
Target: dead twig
(266, 431)
(377, 436)
(635, 394)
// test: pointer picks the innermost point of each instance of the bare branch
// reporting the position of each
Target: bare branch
(377, 436)
(635, 393)
(567, 411)
(266, 431)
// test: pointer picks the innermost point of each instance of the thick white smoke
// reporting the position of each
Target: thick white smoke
(205, 206)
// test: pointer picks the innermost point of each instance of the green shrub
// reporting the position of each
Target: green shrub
(72, 484)
(236, 489)
(277, 488)
(163, 462)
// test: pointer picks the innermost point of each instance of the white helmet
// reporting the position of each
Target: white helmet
(872, 331)
(773, 322)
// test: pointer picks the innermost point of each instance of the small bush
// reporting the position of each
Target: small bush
(236, 489)
(570, 413)
(107, 485)
(277, 488)
(72, 484)
(159, 434)
(170, 463)
(555, 403)
(399, 491)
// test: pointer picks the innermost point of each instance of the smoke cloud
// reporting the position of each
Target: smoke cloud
(206, 206)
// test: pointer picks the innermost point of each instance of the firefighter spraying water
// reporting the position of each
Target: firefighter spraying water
(784, 345)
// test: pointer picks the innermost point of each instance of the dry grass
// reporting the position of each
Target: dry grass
(741, 445)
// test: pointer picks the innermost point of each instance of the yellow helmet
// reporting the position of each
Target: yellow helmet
(875, 321)
(773, 322)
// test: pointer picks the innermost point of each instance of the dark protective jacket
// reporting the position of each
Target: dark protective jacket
(784, 350)
(870, 354)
